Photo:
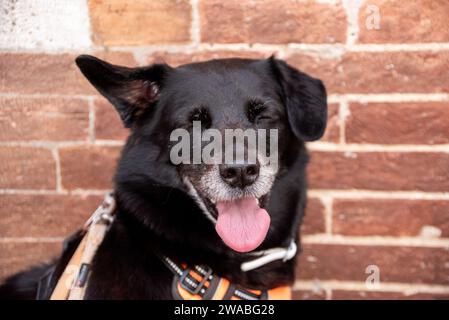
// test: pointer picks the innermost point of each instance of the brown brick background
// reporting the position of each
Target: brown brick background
(379, 178)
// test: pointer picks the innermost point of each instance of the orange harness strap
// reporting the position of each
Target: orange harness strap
(200, 283)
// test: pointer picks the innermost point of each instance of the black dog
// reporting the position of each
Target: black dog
(167, 209)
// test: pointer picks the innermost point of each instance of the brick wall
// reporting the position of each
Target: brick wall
(379, 179)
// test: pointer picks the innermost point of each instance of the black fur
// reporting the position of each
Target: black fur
(155, 213)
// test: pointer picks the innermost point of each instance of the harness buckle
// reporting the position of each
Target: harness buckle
(190, 285)
(104, 213)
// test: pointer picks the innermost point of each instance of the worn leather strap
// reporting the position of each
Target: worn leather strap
(64, 284)
(73, 282)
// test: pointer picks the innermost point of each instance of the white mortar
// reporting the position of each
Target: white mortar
(44, 25)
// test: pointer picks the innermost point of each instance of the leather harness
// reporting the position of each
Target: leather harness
(189, 283)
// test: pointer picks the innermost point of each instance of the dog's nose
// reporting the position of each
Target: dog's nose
(239, 175)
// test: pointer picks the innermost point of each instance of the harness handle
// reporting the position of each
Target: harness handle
(270, 255)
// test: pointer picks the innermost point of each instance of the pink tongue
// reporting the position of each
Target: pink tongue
(242, 224)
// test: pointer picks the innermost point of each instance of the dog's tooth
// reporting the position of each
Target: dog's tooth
(257, 200)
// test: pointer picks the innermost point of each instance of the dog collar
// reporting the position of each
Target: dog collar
(201, 283)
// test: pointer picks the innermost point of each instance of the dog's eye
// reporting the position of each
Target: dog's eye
(263, 118)
(255, 110)
(201, 115)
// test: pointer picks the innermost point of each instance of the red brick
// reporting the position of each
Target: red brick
(44, 215)
(396, 264)
(88, 167)
(308, 295)
(379, 72)
(120, 22)
(389, 217)
(417, 21)
(49, 73)
(380, 171)
(15, 257)
(385, 295)
(314, 218)
(270, 21)
(176, 59)
(43, 119)
(107, 122)
(27, 168)
(332, 133)
(398, 123)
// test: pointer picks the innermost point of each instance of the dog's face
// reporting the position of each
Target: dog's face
(223, 95)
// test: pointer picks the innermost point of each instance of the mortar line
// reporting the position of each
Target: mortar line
(62, 192)
(373, 194)
(314, 146)
(86, 97)
(327, 203)
(398, 47)
(91, 128)
(62, 144)
(328, 293)
(343, 113)
(332, 98)
(320, 49)
(56, 158)
(352, 9)
(406, 288)
(312, 193)
(367, 147)
(195, 28)
(376, 241)
(31, 239)
(389, 97)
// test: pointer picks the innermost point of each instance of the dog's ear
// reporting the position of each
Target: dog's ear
(130, 90)
(305, 99)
